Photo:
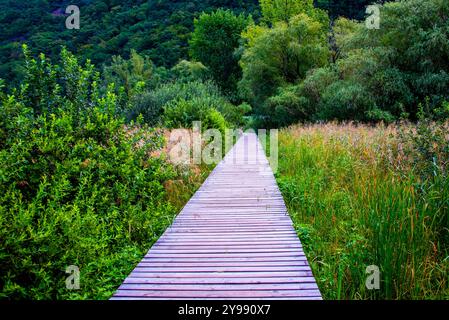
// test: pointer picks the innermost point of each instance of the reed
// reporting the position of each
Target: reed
(362, 195)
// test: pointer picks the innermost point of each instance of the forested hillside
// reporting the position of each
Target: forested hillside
(155, 28)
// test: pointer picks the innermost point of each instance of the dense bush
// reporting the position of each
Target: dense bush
(182, 113)
(151, 104)
(404, 62)
(344, 100)
(77, 186)
(374, 75)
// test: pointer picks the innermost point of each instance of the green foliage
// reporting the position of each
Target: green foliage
(214, 40)
(280, 56)
(412, 42)
(343, 100)
(378, 75)
(151, 104)
(77, 186)
(443, 111)
(159, 30)
(188, 71)
(361, 196)
(301, 102)
(143, 91)
(182, 113)
(274, 11)
(147, 105)
(287, 106)
(134, 75)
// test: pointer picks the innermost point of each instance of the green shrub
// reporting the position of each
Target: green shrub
(152, 104)
(77, 186)
(345, 100)
(287, 107)
(187, 71)
(182, 113)
(149, 105)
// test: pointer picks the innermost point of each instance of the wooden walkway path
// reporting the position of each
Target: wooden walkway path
(233, 240)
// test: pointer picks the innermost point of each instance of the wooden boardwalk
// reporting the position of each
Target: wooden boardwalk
(233, 240)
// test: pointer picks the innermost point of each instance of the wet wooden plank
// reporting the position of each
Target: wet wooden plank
(233, 240)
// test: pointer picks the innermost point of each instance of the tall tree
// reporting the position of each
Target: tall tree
(281, 55)
(213, 43)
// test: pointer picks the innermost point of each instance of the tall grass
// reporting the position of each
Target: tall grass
(361, 196)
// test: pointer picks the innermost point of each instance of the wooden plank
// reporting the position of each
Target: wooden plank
(240, 280)
(214, 287)
(222, 255)
(279, 245)
(194, 264)
(242, 261)
(218, 293)
(232, 240)
(175, 268)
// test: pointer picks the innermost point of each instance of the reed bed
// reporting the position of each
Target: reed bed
(364, 195)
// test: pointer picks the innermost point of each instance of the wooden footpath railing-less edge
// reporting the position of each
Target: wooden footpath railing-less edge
(233, 240)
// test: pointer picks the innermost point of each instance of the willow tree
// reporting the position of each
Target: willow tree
(281, 55)
(282, 10)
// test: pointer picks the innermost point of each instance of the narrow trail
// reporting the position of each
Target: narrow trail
(233, 240)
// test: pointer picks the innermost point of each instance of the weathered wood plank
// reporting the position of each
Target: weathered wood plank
(194, 264)
(252, 274)
(241, 280)
(219, 287)
(232, 240)
(218, 293)
(174, 268)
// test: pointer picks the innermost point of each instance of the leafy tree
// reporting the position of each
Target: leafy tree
(406, 61)
(280, 56)
(186, 71)
(214, 40)
(283, 10)
(133, 74)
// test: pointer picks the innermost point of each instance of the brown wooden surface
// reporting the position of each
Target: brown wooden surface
(232, 240)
